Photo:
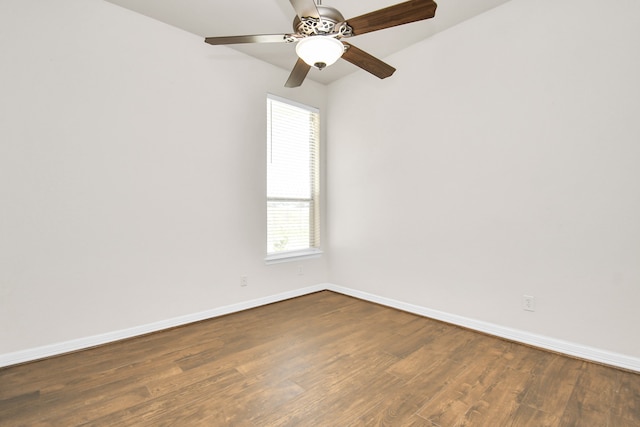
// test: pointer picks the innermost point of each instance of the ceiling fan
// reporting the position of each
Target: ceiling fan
(319, 30)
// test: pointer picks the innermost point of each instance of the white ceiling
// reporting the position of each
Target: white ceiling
(231, 17)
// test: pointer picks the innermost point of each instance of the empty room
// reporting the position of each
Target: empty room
(442, 228)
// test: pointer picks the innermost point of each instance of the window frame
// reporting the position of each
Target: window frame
(314, 249)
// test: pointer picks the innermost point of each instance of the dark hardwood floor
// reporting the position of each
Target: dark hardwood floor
(320, 360)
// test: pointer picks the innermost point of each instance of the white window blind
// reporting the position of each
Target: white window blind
(292, 176)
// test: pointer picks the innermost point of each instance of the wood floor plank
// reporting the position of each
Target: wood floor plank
(403, 341)
(402, 404)
(549, 389)
(323, 359)
(527, 416)
(499, 401)
(464, 393)
(592, 397)
(622, 422)
(172, 401)
(627, 400)
(445, 347)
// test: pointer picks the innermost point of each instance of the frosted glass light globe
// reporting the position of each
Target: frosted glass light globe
(319, 51)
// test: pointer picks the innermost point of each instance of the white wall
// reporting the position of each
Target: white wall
(132, 173)
(502, 159)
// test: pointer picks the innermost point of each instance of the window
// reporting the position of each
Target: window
(293, 134)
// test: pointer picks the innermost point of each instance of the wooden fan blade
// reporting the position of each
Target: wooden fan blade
(362, 59)
(305, 8)
(298, 74)
(257, 38)
(403, 13)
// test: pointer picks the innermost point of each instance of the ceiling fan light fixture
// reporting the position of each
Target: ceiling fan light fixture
(320, 51)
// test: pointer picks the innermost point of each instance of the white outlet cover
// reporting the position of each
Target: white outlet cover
(528, 303)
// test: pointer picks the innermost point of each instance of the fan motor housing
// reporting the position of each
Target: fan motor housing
(329, 17)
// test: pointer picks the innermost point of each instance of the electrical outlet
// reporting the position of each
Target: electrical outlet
(528, 303)
(244, 281)
(300, 270)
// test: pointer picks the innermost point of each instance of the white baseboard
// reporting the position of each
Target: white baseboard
(560, 346)
(92, 341)
(540, 341)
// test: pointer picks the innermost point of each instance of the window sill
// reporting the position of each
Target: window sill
(292, 256)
